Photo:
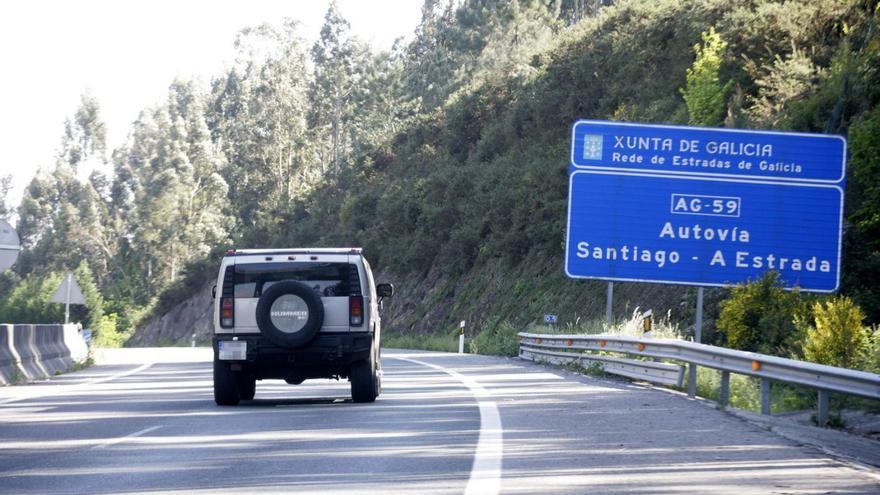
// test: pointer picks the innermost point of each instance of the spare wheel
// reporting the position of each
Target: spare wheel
(290, 313)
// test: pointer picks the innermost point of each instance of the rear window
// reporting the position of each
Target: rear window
(326, 279)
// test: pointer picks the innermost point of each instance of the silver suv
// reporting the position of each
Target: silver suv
(295, 314)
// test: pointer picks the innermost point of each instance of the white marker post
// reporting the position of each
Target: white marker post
(461, 337)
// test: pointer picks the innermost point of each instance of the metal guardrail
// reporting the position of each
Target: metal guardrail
(768, 368)
(649, 371)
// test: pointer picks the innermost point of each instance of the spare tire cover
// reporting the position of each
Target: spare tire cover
(290, 313)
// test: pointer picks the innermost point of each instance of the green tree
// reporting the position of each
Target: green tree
(862, 242)
(258, 116)
(704, 93)
(28, 301)
(170, 195)
(91, 312)
(63, 220)
(339, 61)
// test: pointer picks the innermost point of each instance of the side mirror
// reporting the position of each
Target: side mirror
(214, 292)
(385, 290)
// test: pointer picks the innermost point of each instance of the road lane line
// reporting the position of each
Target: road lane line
(485, 478)
(48, 390)
(115, 441)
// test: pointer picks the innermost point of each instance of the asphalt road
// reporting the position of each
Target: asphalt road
(147, 423)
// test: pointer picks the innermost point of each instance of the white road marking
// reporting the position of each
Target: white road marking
(485, 476)
(36, 392)
(126, 437)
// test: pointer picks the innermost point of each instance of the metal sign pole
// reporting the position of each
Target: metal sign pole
(67, 300)
(698, 338)
(609, 298)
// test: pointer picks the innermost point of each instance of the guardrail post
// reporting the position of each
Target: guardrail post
(765, 396)
(724, 395)
(692, 380)
(822, 413)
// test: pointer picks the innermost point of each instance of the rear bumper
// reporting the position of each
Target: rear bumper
(325, 356)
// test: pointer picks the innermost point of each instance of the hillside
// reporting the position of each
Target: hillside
(447, 161)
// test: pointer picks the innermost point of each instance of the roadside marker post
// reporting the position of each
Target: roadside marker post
(461, 337)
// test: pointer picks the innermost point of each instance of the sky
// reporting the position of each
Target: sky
(127, 53)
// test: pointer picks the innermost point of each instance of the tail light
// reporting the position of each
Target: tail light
(356, 310)
(227, 312)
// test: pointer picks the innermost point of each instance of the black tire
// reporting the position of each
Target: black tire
(247, 387)
(364, 381)
(313, 321)
(226, 391)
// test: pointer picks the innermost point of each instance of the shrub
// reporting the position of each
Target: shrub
(837, 336)
(106, 335)
(759, 317)
(497, 340)
(704, 93)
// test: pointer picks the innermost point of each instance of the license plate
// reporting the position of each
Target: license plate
(233, 350)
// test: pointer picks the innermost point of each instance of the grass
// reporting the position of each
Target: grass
(442, 343)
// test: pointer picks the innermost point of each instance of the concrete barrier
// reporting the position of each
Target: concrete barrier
(9, 360)
(31, 352)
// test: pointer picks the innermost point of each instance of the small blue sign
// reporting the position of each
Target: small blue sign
(549, 318)
(707, 231)
(784, 156)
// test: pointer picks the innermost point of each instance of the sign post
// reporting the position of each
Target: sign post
(704, 207)
(609, 300)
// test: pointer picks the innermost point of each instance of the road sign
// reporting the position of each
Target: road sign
(706, 231)
(549, 318)
(782, 156)
(68, 293)
(10, 246)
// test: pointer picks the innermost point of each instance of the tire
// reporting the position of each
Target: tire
(226, 392)
(364, 381)
(247, 387)
(300, 314)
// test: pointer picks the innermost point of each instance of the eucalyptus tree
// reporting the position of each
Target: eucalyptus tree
(258, 118)
(172, 171)
(339, 61)
(62, 219)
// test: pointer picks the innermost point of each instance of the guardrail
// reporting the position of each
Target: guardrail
(562, 348)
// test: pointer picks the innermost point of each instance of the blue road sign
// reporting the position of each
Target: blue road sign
(681, 150)
(708, 231)
(549, 318)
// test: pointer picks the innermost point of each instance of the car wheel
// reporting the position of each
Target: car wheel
(247, 387)
(226, 392)
(364, 381)
(290, 313)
